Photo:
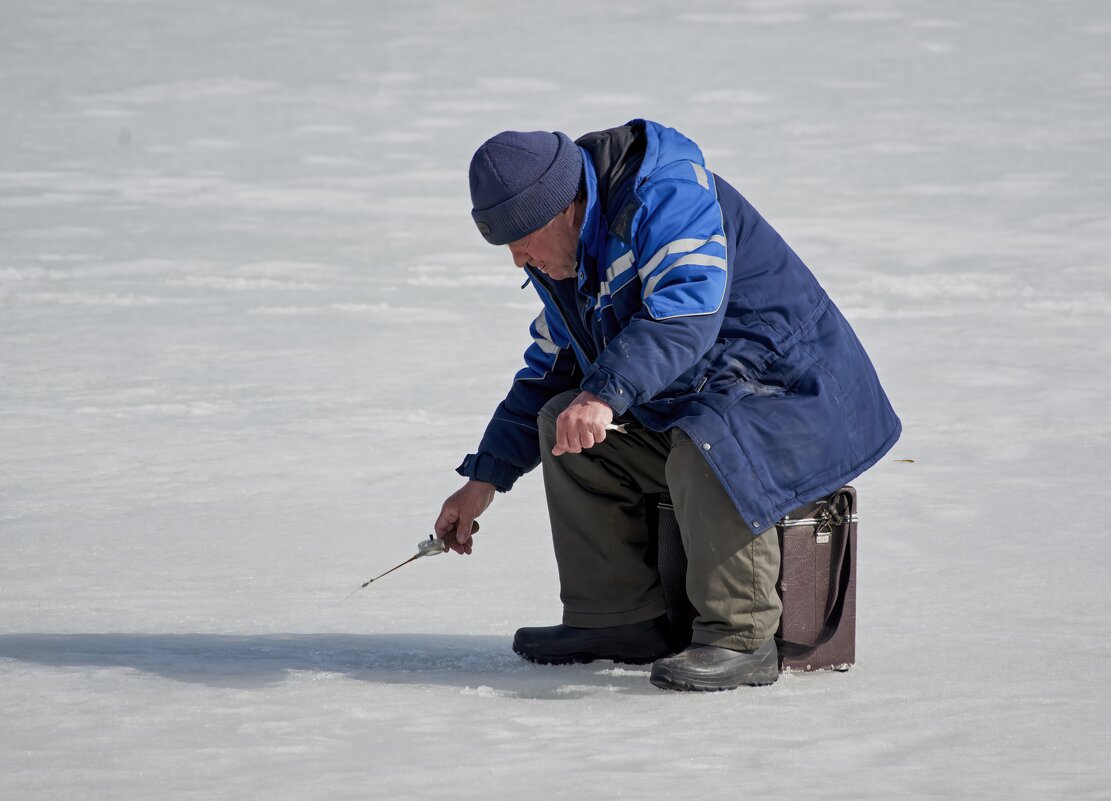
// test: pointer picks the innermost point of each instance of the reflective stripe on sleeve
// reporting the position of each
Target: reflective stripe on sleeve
(617, 268)
(699, 259)
(678, 246)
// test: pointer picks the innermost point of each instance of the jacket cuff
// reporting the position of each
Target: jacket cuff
(618, 393)
(488, 468)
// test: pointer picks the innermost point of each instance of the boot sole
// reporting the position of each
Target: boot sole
(583, 659)
(667, 679)
(680, 685)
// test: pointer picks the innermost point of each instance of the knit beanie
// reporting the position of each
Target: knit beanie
(521, 181)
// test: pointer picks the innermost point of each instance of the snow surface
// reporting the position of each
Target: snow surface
(247, 330)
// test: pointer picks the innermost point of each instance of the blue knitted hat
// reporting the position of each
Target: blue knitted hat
(521, 181)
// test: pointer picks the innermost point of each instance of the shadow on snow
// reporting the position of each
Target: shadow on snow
(248, 661)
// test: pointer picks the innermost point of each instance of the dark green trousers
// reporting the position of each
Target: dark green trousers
(602, 546)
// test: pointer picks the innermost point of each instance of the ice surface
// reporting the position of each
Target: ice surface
(247, 329)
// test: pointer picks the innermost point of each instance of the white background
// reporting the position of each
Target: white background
(247, 330)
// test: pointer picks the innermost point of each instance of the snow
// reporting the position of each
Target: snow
(247, 330)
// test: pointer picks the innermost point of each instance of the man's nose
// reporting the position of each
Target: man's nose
(520, 258)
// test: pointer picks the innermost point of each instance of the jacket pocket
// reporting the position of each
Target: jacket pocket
(710, 365)
(739, 366)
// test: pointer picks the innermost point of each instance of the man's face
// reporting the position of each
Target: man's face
(551, 249)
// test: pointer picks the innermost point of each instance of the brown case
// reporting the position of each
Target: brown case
(817, 581)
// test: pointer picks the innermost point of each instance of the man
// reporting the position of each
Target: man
(674, 311)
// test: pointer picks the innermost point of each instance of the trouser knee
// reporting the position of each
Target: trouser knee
(546, 420)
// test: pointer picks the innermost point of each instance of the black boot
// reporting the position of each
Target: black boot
(707, 667)
(633, 643)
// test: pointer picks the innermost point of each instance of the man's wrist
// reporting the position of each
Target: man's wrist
(587, 396)
(609, 389)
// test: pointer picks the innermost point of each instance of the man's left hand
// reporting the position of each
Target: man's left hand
(582, 425)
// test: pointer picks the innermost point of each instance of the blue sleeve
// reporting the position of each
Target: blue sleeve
(511, 445)
(681, 261)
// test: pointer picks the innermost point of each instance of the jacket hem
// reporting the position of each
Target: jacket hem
(825, 488)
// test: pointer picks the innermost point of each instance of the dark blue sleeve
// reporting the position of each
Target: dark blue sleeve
(511, 445)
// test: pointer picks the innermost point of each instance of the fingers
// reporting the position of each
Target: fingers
(459, 548)
(459, 543)
(456, 524)
(463, 529)
(561, 444)
(446, 522)
(582, 425)
(455, 530)
(453, 527)
(576, 436)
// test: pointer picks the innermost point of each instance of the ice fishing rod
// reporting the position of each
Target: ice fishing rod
(429, 547)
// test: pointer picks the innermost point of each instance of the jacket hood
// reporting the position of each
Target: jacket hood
(664, 147)
(625, 157)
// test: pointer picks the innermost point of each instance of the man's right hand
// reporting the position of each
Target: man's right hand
(459, 511)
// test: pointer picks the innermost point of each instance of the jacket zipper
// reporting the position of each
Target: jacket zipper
(559, 310)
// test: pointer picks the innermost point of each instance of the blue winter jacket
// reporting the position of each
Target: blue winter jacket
(690, 311)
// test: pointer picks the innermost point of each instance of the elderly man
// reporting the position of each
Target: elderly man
(682, 347)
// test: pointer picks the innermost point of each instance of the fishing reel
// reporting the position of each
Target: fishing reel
(429, 547)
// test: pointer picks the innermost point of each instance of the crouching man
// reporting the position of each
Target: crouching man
(683, 347)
